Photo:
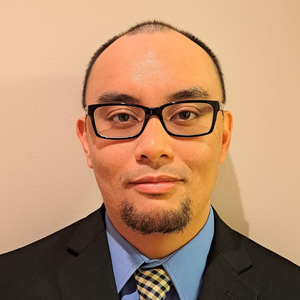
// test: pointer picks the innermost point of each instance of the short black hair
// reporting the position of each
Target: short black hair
(154, 27)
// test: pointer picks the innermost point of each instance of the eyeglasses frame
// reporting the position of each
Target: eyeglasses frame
(154, 111)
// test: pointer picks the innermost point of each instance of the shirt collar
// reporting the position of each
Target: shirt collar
(124, 256)
(185, 266)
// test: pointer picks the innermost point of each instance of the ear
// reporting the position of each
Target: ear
(81, 131)
(226, 135)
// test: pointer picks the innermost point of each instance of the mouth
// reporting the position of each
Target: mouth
(155, 184)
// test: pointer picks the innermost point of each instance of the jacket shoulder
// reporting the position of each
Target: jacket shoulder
(36, 265)
(273, 276)
(270, 271)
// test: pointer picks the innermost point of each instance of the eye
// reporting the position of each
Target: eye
(123, 115)
(122, 118)
(185, 115)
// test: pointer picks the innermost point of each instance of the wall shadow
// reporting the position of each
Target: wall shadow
(226, 198)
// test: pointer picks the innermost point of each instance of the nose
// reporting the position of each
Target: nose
(154, 143)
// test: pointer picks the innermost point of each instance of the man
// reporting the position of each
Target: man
(154, 134)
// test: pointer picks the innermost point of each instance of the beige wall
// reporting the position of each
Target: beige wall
(45, 46)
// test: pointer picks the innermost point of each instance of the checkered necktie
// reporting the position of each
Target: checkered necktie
(152, 284)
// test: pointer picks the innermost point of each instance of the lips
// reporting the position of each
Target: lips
(155, 179)
(155, 184)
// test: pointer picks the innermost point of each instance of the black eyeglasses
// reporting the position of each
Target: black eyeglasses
(119, 121)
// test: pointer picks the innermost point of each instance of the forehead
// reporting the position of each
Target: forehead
(152, 65)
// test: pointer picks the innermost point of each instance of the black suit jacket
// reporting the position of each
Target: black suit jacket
(74, 264)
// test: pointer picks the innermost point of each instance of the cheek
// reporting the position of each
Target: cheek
(203, 161)
(201, 152)
(108, 161)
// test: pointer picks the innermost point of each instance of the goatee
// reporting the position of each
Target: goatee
(158, 220)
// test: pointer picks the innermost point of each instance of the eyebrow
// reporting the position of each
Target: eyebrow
(186, 94)
(114, 97)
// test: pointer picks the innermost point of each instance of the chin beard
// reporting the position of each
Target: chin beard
(158, 220)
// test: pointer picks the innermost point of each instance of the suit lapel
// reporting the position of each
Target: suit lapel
(222, 283)
(89, 276)
(226, 261)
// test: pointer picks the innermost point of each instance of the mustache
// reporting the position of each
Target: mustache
(131, 176)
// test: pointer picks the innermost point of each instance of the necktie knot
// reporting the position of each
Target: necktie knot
(152, 284)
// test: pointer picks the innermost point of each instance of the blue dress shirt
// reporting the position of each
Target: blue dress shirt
(184, 266)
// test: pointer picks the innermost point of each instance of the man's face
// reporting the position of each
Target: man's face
(155, 177)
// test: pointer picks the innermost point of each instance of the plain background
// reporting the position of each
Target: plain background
(45, 48)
